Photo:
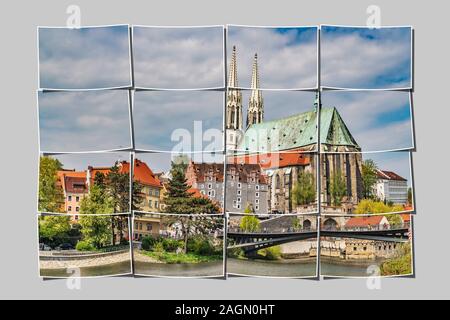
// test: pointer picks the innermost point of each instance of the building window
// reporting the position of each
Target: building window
(239, 199)
(238, 206)
(149, 227)
(69, 208)
(156, 204)
(239, 185)
(257, 187)
(140, 226)
(257, 194)
(355, 248)
(256, 207)
(150, 203)
(257, 201)
(239, 192)
(77, 199)
(76, 218)
(209, 186)
(77, 209)
(69, 198)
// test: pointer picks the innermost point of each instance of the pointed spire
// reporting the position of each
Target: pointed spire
(232, 78)
(255, 112)
(234, 97)
(317, 102)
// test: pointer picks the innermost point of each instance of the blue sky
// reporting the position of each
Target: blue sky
(178, 57)
(378, 121)
(365, 58)
(287, 57)
(84, 121)
(84, 58)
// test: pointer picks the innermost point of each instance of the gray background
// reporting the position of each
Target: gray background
(18, 264)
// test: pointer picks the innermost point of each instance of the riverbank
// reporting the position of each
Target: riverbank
(178, 258)
(82, 261)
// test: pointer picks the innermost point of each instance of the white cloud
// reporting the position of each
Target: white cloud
(285, 59)
(84, 121)
(377, 120)
(363, 58)
(84, 58)
(178, 57)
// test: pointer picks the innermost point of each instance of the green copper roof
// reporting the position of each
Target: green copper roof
(297, 131)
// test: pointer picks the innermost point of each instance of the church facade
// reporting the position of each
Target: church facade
(276, 141)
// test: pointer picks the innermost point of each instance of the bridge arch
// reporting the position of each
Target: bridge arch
(330, 224)
(307, 224)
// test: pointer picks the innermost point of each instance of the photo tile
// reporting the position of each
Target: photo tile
(366, 246)
(162, 179)
(369, 183)
(366, 121)
(272, 183)
(259, 121)
(273, 57)
(272, 246)
(75, 183)
(366, 58)
(178, 121)
(84, 121)
(178, 245)
(178, 57)
(84, 58)
(84, 246)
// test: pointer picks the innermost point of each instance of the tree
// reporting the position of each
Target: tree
(401, 265)
(97, 230)
(410, 196)
(51, 196)
(54, 230)
(179, 200)
(249, 223)
(338, 188)
(369, 178)
(304, 191)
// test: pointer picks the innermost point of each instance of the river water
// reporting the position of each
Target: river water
(123, 267)
(205, 269)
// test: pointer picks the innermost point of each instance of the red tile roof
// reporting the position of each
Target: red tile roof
(68, 178)
(405, 217)
(273, 160)
(389, 175)
(142, 172)
(364, 221)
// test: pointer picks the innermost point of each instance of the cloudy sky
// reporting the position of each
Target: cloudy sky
(377, 120)
(287, 57)
(84, 121)
(365, 58)
(80, 162)
(398, 162)
(85, 58)
(176, 58)
(159, 115)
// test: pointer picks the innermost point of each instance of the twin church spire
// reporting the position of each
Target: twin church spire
(255, 111)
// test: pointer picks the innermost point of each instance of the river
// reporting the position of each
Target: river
(203, 269)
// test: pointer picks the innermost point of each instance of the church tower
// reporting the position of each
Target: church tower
(255, 112)
(234, 107)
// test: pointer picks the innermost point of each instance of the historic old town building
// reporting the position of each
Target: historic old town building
(295, 134)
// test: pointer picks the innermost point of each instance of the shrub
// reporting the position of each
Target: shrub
(158, 247)
(84, 246)
(201, 246)
(171, 245)
(271, 253)
(148, 242)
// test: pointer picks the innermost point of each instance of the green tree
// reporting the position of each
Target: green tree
(51, 197)
(54, 230)
(338, 188)
(401, 265)
(97, 230)
(410, 196)
(304, 191)
(179, 200)
(369, 177)
(249, 223)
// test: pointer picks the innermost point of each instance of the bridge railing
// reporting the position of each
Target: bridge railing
(384, 227)
(269, 231)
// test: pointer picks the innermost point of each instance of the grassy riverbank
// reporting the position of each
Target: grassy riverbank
(172, 257)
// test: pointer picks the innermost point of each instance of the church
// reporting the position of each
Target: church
(291, 144)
